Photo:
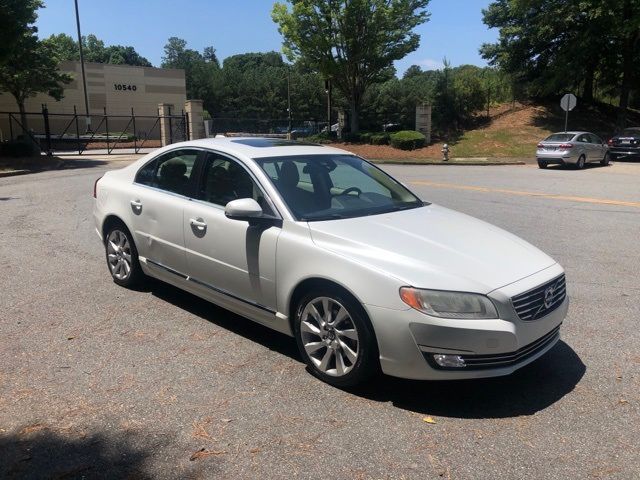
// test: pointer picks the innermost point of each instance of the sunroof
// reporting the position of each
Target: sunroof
(271, 142)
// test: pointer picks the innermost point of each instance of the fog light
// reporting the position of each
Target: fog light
(450, 361)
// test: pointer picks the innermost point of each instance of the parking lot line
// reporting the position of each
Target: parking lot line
(552, 196)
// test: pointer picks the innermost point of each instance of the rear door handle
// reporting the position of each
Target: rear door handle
(136, 206)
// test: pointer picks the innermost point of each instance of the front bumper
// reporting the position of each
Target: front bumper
(623, 152)
(407, 339)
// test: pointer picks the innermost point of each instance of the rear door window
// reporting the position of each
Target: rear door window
(171, 172)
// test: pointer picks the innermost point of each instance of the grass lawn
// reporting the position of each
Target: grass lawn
(519, 142)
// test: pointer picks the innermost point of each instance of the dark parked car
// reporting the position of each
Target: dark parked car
(625, 144)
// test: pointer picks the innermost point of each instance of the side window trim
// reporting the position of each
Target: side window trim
(201, 178)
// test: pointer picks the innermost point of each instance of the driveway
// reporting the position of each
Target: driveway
(101, 382)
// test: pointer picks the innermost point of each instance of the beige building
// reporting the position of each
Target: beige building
(118, 88)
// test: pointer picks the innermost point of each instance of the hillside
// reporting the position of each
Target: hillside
(512, 131)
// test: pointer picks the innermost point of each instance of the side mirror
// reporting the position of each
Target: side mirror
(243, 209)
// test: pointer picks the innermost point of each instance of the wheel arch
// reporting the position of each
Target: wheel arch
(311, 283)
(111, 220)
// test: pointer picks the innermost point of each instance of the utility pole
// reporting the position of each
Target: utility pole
(84, 77)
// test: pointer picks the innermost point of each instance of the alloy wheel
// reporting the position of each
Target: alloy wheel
(329, 336)
(119, 254)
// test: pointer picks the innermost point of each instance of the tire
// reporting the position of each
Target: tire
(605, 161)
(122, 257)
(580, 163)
(542, 164)
(342, 352)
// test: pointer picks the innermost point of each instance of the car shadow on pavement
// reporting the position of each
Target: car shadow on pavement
(237, 324)
(572, 168)
(38, 452)
(525, 392)
(82, 163)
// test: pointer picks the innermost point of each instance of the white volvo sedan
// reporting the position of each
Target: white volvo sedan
(316, 243)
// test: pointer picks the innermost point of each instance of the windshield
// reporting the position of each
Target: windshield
(559, 137)
(327, 187)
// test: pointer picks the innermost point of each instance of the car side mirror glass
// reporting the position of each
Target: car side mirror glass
(243, 209)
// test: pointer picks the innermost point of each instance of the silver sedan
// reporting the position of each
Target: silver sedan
(319, 244)
(572, 148)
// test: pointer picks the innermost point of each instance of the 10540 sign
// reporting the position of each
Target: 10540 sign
(121, 87)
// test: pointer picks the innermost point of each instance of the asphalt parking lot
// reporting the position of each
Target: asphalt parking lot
(101, 382)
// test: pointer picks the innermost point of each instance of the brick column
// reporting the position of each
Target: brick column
(194, 109)
(165, 110)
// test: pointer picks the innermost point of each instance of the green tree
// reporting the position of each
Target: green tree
(557, 45)
(36, 72)
(66, 48)
(352, 42)
(16, 20)
(199, 69)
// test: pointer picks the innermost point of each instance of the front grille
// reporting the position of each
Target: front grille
(501, 360)
(540, 301)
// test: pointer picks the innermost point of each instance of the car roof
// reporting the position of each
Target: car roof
(262, 147)
(574, 133)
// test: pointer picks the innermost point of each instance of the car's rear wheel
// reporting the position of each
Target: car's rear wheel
(605, 161)
(335, 338)
(580, 163)
(542, 164)
(122, 257)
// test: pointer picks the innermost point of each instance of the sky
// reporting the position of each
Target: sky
(454, 30)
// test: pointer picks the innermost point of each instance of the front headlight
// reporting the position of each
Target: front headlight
(438, 303)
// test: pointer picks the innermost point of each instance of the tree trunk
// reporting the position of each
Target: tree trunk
(354, 121)
(587, 92)
(627, 67)
(23, 118)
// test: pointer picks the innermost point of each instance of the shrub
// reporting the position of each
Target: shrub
(352, 137)
(19, 148)
(407, 140)
(323, 137)
(379, 139)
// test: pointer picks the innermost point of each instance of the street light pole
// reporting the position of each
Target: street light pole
(84, 77)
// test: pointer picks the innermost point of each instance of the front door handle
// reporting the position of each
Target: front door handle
(136, 206)
(198, 223)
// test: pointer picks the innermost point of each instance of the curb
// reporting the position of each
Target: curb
(13, 173)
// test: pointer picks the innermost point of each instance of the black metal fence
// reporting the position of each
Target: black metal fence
(75, 132)
(235, 125)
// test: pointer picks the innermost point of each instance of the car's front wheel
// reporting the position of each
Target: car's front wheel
(580, 163)
(605, 161)
(122, 257)
(335, 338)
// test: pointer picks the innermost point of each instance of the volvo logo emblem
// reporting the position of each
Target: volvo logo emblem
(548, 296)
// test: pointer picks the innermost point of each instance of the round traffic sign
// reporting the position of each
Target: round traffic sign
(568, 102)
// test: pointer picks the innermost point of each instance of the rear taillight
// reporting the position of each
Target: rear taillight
(610, 141)
(566, 146)
(540, 145)
(95, 187)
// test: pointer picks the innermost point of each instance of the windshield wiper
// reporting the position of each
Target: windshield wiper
(329, 216)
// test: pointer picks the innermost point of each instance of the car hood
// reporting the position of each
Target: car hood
(433, 247)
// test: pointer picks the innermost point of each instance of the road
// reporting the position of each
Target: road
(101, 382)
